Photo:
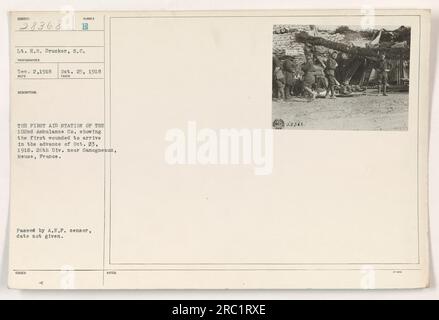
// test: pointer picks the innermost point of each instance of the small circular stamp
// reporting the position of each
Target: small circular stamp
(278, 124)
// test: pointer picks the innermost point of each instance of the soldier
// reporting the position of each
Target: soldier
(382, 69)
(331, 65)
(289, 77)
(320, 78)
(276, 63)
(309, 76)
(280, 83)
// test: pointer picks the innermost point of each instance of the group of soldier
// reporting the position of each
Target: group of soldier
(316, 73)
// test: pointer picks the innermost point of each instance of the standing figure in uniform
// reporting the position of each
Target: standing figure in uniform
(382, 70)
(331, 65)
(276, 63)
(309, 77)
(289, 78)
(280, 83)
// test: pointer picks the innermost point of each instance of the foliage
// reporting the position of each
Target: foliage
(343, 30)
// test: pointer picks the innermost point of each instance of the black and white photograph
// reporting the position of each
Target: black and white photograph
(341, 77)
(143, 155)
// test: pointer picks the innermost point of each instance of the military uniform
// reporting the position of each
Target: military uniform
(331, 65)
(280, 83)
(289, 77)
(309, 78)
(381, 69)
(276, 64)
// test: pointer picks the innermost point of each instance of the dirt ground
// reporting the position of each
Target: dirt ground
(363, 112)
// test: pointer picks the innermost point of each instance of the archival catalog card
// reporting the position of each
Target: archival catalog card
(241, 150)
